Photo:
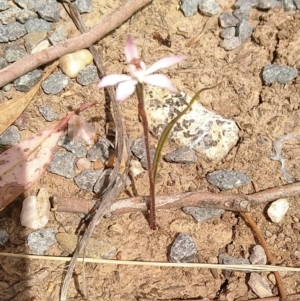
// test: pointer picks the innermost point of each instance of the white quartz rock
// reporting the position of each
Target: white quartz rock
(35, 210)
(277, 210)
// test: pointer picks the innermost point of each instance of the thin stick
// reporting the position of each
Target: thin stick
(270, 257)
(113, 20)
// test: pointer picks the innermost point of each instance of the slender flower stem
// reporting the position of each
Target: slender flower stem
(143, 115)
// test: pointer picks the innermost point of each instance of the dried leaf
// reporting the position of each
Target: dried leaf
(22, 164)
(11, 110)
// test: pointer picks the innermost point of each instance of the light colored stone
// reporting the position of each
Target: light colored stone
(277, 210)
(83, 163)
(135, 168)
(259, 286)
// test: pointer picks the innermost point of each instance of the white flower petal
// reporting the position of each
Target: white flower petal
(131, 51)
(125, 89)
(159, 80)
(165, 63)
(113, 79)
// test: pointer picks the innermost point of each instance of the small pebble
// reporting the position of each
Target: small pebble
(244, 30)
(227, 259)
(74, 146)
(230, 44)
(242, 13)
(98, 164)
(87, 179)
(41, 46)
(22, 121)
(58, 36)
(138, 148)
(259, 286)
(83, 163)
(55, 83)
(227, 19)
(47, 112)
(267, 4)
(88, 76)
(183, 155)
(183, 249)
(7, 87)
(25, 14)
(49, 12)
(14, 53)
(84, 6)
(40, 241)
(37, 25)
(277, 210)
(3, 237)
(101, 150)
(202, 214)
(8, 16)
(11, 136)
(135, 168)
(227, 179)
(243, 3)
(102, 181)
(228, 33)
(63, 164)
(281, 74)
(258, 255)
(4, 34)
(4, 5)
(189, 7)
(209, 7)
(16, 30)
(32, 39)
(28, 80)
(144, 159)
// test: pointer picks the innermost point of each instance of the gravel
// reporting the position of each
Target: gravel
(63, 164)
(74, 146)
(55, 83)
(183, 155)
(84, 6)
(243, 3)
(28, 80)
(281, 74)
(258, 255)
(87, 179)
(11, 136)
(189, 7)
(88, 76)
(33, 5)
(37, 25)
(224, 258)
(230, 44)
(3, 234)
(202, 214)
(4, 5)
(24, 15)
(3, 63)
(50, 12)
(144, 159)
(16, 30)
(227, 19)
(244, 30)
(289, 5)
(242, 13)
(47, 112)
(14, 53)
(101, 150)
(4, 34)
(228, 33)
(58, 36)
(138, 148)
(32, 39)
(209, 7)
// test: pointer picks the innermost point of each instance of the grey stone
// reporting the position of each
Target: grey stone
(11, 136)
(101, 150)
(32, 39)
(88, 76)
(48, 113)
(183, 249)
(230, 44)
(189, 7)
(13, 53)
(25, 14)
(4, 5)
(57, 36)
(258, 255)
(4, 35)
(72, 145)
(289, 5)
(22, 121)
(138, 148)
(3, 63)
(55, 83)
(40, 241)
(37, 25)
(244, 30)
(3, 234)
(227, 179)
(182, 155)
(9, 15)
(228, 33)
(202, 214)
(209, 7)
(49, 12)
(280, 74)
(87, 179)
(16, 30)
(7, 87)
(242, 13)
(267, 4)
(243, 3)
(297, 3)
(102, 182)
(84, 6)
(63, 164)
(33, 5)
(227, 19)
(260, 286)
(227, 259)
(144, 159)
(28, 80)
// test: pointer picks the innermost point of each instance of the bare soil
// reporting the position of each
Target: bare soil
(263, 114)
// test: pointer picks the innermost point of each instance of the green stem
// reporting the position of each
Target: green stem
(143, 115)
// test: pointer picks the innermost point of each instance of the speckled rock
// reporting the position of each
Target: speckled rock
(4, 5)
(16, 30)
(258, 255)
(63, 164)
(227, 179)
(88, 76)
(244, 30)
(49, 12)
(189, 7)
(224, 258)
(11, 136)
(209, 7)
(9, 16)
(209, 134)
(138, 148)
(31, 4)
(277, 210)
(101, 150)
(32, 39)
(227, 19)
(3, 63)
(267, 4)
(4, 34)
(281, 74)
(47, 112)
(37, 25)
(289, 5)
(228, 33)
(3, 237)
(40, 241)
(58, 36)
(232, 43)
(183, 249)
(13, 53)
(183, 155)
(242, 13)
(202, 214)
(243, 3)
(28, 80)
(74, 146)
(87, 179)
(55, 83)
(25, 14)
(84, 6)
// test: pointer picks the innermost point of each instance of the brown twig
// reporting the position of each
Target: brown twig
(270, 257)
(109, 23)
(233, 202)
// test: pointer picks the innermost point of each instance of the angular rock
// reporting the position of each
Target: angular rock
(37, 25)
(84, 6)
(9, 15)
(3, 63)
(58, 36)
(11, 136)
(7, 87)
(183, 249)
(277, 210)
(267, 4)
(49, 12)
(32, 39)
(47, 112)
(4, 34)
(183, 155)
(242, 13)
(3, 234)
(228, 33)
(227, 19)
(144, 159)
(22, 121)
(16, 30)
(230, 44)
(227, 259)
(203, 214)
(63, 164)
(40, 241)
(281, 74)
(101, 150)
(87, 179)
(227, 179)
(14, 53)
(55, 83)
(243, 3)
(88, 76)
(209, 7)
(24, 15)
(28, 80)
(259, 286)
(138, 148)
(74, 146)
(244, 30)
(258, 255)
(189, 7)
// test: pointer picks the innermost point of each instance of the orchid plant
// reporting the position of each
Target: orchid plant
(134, 82)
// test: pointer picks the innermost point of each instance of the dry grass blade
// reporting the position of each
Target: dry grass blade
(12, 109)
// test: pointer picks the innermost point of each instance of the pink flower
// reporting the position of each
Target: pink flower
(139, 74)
